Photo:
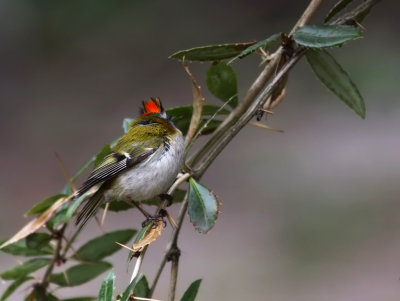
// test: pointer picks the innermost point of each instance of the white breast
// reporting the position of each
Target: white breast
(152, 176)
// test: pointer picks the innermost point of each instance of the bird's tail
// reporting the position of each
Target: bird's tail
(90, 208)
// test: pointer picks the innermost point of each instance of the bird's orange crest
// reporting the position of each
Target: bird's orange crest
(152, 106)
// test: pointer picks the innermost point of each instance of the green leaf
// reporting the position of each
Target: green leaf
(13, 286)
(33, 245)
(336, 79)
(65, 214)
(80, 274)
(211, 52)
(337, 8)
(177, 197)
(126, 124)
(107, 288)
(131, 288)
(191, 292)
(116, 206)
(203, 207)
(322, 36)
(260, 44)
(82, 299)
(183, 125)
(25, 268)
(44, 205)
(40, 293)
(187, 111)
(104, 245)
(106, 150)
(142, 288)
(222, 83)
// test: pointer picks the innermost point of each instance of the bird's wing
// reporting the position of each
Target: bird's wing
(117, 162)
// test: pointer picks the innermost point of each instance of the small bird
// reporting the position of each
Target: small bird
(143, 164)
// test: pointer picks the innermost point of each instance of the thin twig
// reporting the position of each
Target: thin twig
(172, 243)
(57, 256)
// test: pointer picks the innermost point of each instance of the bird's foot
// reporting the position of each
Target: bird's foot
(155, 219)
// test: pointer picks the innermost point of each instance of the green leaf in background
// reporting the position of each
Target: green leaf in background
(260, 44)
(131, 288)
(80, 274)
(336, 79)
(35, 244)
(44, 205)
(13, 286)
(222, 83)
(65, 214)
(203, 207)
(104, 245)
(211, 52)
(116, 206)
(107, 288)
(142, 288)
(177, 197)
(212, 125)
(101, 154)
(187, 111)
(191, 292)
(39, 293)
(337, 8)
(82, 299)
(126, 124)
(25, 268)
(322, 36)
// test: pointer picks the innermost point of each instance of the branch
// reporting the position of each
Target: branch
(257, 96)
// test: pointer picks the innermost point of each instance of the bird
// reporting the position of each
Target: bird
(143, 163)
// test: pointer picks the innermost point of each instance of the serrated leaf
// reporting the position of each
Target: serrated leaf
(142, 288)
(203, 207)
(191, 292)
(260, 44)
(45, 204)
(211, 52)
(107, 288)
(336, 79)
(13, 286)
(106, 150)
(34, 245)
(104, 245)
(337, 8)
(222, 83)
(323, 36)
(80, 274)
(131, 288)
(25, 268)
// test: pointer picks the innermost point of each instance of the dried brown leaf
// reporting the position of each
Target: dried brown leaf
(150, 236)
(38, 222)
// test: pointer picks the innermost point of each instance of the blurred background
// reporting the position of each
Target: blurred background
(310, 214)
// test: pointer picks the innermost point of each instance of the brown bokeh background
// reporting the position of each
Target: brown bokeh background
(310, 214)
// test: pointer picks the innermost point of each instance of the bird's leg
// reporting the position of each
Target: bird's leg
(167, 198)
(149, 217)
